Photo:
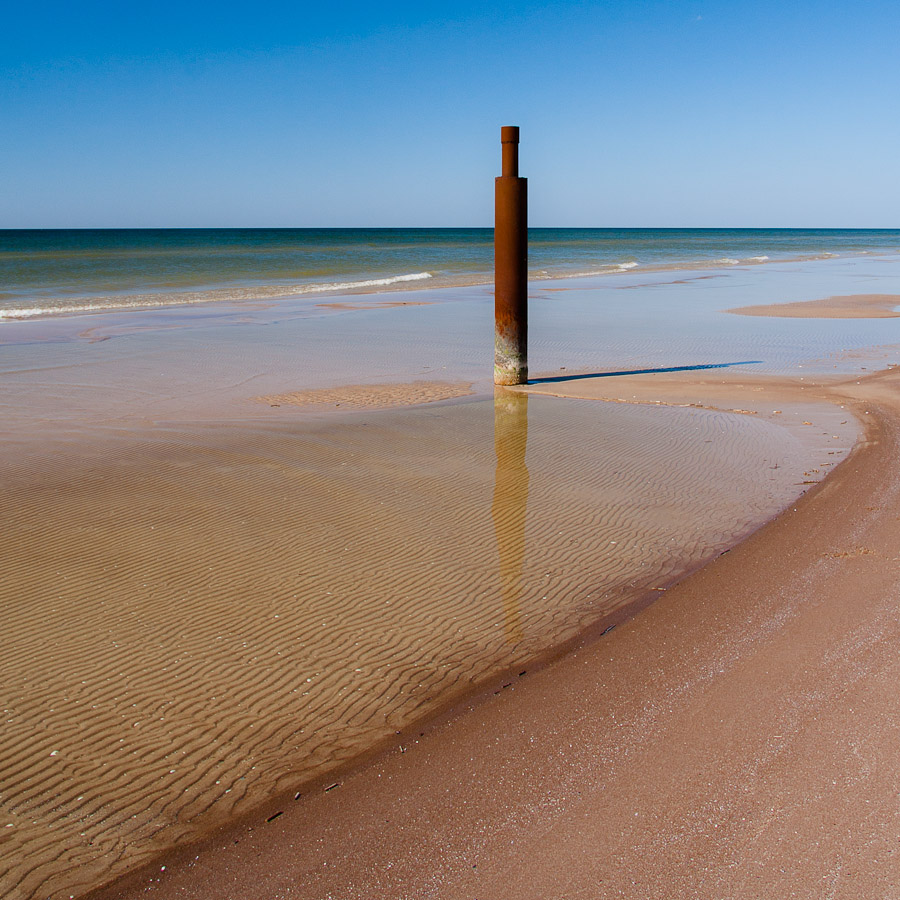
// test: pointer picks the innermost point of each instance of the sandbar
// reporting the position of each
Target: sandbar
(850, 306)
(371, 396)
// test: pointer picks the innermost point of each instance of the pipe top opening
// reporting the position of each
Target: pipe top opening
(509, 142)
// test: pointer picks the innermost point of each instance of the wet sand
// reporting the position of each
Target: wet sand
(373, 304)
(199, 619)
(853, 306)
(371, 396)
(737, 738)
(219, 600)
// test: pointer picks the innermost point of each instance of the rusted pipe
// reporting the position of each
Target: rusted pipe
(509, 144)
(510, 266)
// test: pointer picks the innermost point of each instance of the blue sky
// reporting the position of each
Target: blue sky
(632, 113)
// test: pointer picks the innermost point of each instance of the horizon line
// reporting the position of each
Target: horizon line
(448, 228)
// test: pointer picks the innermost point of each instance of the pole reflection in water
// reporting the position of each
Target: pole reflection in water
(510, 501)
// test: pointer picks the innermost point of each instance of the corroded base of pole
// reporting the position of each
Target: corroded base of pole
(510, 366)
(510, 267)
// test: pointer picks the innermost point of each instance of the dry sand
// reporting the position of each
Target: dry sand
(735, 739)
(851, 306)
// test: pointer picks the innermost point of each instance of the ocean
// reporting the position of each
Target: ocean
(50, 272)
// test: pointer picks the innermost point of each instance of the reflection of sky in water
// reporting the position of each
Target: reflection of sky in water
(195, 362)
(666, 324)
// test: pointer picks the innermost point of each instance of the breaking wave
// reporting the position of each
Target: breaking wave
(144, 301)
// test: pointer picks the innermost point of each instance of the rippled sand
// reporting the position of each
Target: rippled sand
(200, 618)
(210, 600)
(371, 396)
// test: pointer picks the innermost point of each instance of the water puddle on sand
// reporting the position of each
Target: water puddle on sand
(201, 617)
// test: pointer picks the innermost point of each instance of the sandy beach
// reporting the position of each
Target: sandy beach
(370, 583)
(449, 452)
(736, 738)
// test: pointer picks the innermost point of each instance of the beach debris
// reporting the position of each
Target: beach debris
(274, 816)
(847, 554)
(331, 787)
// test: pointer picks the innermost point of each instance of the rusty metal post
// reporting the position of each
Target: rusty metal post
(510, 266)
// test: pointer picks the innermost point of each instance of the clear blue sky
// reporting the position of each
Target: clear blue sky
(388, 114)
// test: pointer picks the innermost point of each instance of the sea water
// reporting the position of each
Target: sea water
(47, 272)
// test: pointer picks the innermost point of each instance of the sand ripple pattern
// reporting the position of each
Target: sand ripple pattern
(371, 396)
(201, 618)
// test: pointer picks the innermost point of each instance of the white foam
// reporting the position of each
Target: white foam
(144, 301)
(352, 285)
(610, 269)
(728, 261)
(32, 311)
(757, 258)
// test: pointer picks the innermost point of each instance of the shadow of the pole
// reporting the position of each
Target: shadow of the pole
(508, 510)
(557, 378)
